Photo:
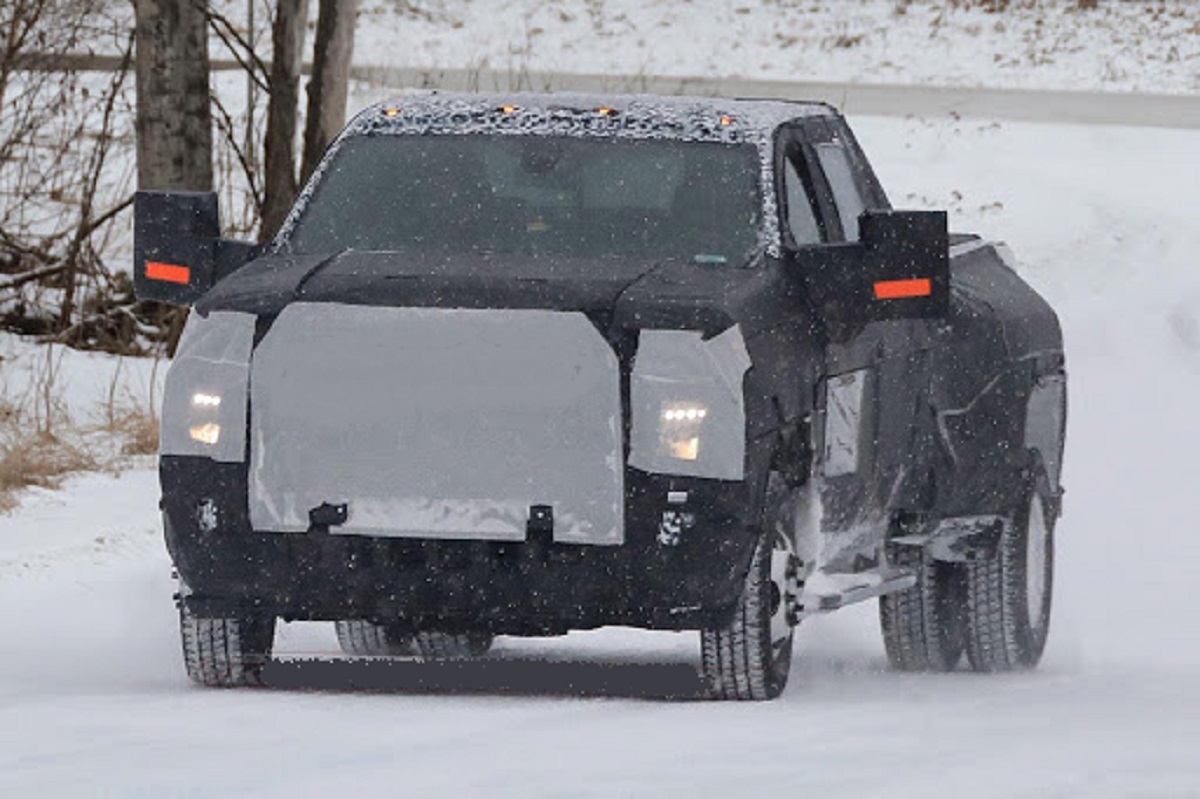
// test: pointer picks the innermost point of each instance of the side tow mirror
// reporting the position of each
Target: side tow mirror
(178, 252)
(908, 263)
(900, 269)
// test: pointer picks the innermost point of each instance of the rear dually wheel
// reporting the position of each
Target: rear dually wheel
(1009, 596)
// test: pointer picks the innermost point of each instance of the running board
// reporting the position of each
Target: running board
(859, 588)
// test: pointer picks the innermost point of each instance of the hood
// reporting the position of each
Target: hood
(687, 296)
(425, 279)
(627, 293)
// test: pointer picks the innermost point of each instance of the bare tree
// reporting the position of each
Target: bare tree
(327, 91)
(174, 116)
(174, 122)
(18, 21)
(287, 35)
(64, 174)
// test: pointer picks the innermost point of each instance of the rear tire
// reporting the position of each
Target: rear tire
(1008, 596)
(362, 638)
(750, 658)
(924, 627)
(434, 645)
(225, 653)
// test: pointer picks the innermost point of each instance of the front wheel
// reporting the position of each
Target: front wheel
(750, 658)
(1008, 596)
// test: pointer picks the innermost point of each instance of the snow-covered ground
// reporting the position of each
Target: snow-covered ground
(81, 383)
(1120, 45)
(93, 699)
(1136, 45)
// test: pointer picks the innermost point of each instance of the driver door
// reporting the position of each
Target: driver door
(874, 380)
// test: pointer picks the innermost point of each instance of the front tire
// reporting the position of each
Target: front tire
(225, 652)
(1008, 596)
(362, 638)
(750, 658)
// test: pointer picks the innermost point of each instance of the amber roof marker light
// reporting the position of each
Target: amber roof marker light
(903, 289)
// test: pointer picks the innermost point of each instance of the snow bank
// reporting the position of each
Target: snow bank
(1126, 46)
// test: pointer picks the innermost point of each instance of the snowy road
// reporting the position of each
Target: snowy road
(851, 97)
(93, 698)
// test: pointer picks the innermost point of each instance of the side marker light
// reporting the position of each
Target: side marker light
(168, 273)
(903, 289)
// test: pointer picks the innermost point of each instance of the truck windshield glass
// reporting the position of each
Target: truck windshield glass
(536, 194)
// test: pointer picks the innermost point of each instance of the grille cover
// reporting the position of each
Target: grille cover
(436, 423)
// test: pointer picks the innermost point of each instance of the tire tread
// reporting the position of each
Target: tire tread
(437, 645)
(363, 638)
(217, 652)
(732, 657)
(922, 630)
(999, 636)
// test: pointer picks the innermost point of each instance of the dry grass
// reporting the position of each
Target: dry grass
(1000, 6)
(41, 443)
(134, 426)
(30, 457)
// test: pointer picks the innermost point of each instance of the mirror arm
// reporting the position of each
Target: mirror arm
(233, 254)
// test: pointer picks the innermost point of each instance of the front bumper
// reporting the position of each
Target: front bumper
(536, 586)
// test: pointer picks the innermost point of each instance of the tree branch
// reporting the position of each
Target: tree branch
(229, 35)
(226, 125)
(33, 274)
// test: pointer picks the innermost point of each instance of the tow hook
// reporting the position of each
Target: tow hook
(327, 515)
(672, 526)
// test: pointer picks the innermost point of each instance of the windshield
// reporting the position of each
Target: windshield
(536, 194)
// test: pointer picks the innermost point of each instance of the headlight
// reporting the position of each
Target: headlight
(209, 433)
(205, 405)
(685, 400)
(679, 429)
(690, 414)
(204, 401)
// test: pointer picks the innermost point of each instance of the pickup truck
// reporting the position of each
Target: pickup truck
(525, 364)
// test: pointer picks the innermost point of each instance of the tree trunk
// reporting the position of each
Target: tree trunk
(174, 118)
(174, 124)
(328, 88)
(287, 36)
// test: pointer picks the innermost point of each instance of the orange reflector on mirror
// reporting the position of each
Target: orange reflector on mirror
(169, 273)
(902, 289)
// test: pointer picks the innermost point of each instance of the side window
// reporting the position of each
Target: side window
(801, 219)
(835, 163)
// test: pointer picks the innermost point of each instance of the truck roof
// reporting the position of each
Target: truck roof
(637, 115)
